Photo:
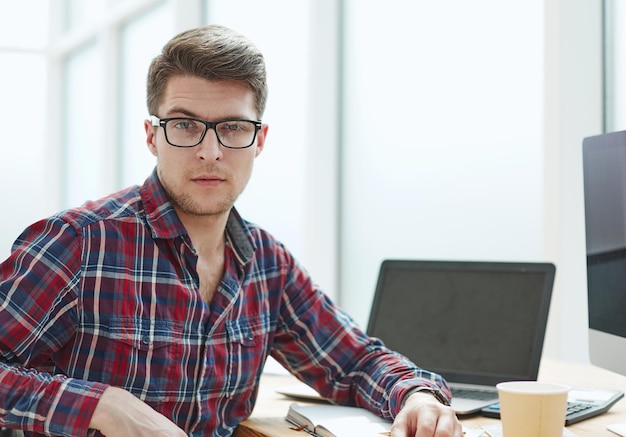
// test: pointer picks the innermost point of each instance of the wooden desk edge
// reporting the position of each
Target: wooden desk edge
(268, 417)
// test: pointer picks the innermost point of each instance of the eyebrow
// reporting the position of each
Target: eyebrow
(187, 113)
(183, 111)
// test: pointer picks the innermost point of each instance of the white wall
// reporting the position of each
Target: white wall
(616, 68)
(573, 102)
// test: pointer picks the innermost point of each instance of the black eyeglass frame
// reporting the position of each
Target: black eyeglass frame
(156, 121)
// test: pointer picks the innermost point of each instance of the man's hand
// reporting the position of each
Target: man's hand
(424, 416)
(120, 414)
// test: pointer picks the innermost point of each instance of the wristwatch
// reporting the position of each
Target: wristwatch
(436, 393)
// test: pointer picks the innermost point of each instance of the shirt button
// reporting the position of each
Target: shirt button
(145, 339)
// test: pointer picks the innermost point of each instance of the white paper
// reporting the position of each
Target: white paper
(496, 431)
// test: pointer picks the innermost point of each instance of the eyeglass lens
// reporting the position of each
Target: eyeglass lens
(187, 133)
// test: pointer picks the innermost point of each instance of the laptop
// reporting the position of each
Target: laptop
(475, 323)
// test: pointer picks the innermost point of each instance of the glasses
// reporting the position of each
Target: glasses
(189, 132)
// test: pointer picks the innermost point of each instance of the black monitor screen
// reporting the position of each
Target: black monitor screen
(604, 170)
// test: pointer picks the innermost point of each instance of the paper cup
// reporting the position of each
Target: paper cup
(530, 408)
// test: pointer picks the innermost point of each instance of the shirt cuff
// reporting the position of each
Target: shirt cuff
(404, 388)
(71, 410)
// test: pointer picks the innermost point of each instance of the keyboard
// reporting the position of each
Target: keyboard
(583, 404)
(472, 393)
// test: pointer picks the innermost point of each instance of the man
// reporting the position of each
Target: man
(151, 312)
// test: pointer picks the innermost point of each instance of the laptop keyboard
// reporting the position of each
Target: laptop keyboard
(472, 393)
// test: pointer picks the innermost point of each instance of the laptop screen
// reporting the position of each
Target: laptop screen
(472, 322)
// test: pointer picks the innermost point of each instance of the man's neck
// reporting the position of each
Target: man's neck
(208, 239)
(206, 232)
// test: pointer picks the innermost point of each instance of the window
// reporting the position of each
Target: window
(23, 114)
(615, 65)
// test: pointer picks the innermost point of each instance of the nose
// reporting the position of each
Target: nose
(209, 148)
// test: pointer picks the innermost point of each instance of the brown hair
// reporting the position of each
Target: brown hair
(212, 52)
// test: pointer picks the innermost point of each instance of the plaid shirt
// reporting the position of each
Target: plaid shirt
(107, 294)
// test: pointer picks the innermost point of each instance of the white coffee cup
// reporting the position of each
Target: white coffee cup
(531, 408)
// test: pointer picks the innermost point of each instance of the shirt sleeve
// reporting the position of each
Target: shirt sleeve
(38, 317)
(321, 344)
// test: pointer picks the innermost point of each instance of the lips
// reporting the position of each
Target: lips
(208, 180)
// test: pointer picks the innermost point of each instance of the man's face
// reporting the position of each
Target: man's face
(206, 179)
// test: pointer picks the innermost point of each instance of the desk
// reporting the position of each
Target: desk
(268, 417)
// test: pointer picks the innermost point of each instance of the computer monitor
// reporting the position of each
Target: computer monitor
(604, 175)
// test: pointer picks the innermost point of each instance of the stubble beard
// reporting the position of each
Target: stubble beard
(186, 203)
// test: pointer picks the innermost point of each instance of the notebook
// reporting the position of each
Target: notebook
(475, 323)
(324, 420)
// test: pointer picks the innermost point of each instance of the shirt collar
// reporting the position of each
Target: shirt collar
(164, 222)
(240, 237)
(160, 214)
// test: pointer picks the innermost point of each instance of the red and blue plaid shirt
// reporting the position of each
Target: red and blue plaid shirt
(107, 294)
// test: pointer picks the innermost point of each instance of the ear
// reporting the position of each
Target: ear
(150, 137)
(260, 139)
